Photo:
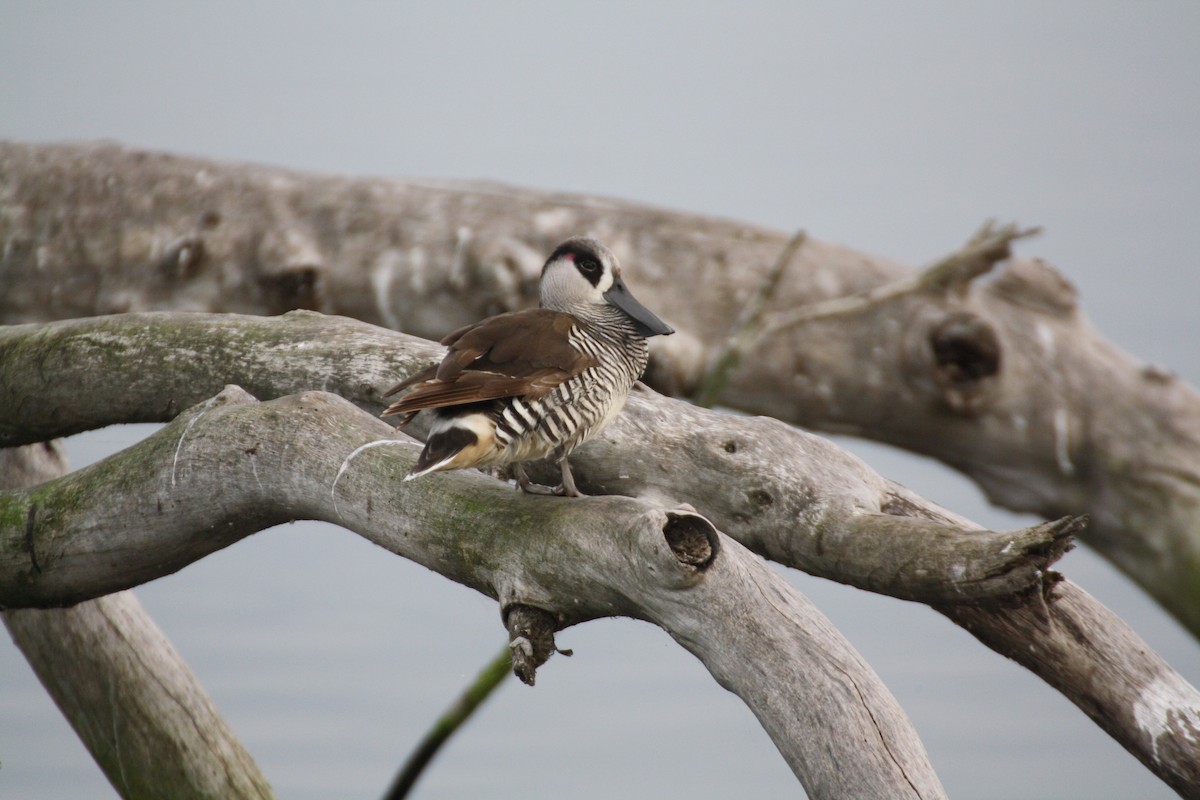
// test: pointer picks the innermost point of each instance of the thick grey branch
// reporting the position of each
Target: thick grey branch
(1006, 382)
(231, 466)
(793, 497)
(1123, 686)
(1009, 383)
(132, 700)
(788, 495)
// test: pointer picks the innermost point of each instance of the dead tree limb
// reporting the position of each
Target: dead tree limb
(788, 495)
(797, 499)
(231, 466)
(1005, 381)
(131, 699)
(1089, 654)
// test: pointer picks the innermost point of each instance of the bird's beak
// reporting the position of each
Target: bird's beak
(647, 323)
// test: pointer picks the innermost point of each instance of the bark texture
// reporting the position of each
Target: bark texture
(1005, 381)
(794, 497)
(131, 699)
(781, 492)
(231, 466)
(1125, 689)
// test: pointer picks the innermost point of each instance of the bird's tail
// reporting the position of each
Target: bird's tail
(454, 443)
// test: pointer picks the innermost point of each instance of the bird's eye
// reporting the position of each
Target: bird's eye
(589, 266)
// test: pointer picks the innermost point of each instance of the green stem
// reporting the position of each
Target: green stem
(747, 328)
(485, 683)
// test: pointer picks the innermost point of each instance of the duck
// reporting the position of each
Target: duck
(535, 384)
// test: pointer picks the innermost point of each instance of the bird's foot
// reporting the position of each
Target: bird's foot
(566, 489)
(529, 487)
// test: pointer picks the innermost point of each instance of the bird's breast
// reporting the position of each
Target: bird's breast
(575, 410)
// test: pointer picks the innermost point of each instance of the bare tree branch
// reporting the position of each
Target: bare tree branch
(1090, 655)
(788, 495)
(954, 273)
(231, 466)
(1006, 381)
(748, 328)
(855, 526)
(132, 700)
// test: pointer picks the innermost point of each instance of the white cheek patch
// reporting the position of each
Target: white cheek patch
(478, 424)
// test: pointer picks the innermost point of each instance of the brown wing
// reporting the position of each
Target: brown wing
(524, 353)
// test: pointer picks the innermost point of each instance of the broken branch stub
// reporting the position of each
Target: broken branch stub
(530, 639)
(692, 539)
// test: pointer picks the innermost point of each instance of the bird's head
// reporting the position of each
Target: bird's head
(582, 274)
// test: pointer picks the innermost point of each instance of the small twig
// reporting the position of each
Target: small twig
(986, 248)
(747, 329)
(530, 639)
(454, 718)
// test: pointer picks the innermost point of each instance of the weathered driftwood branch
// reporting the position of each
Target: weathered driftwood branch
(231, 466)
(1004, 381)
(788, 495)
(1121, 684)
(797, 499)
(131, 699)
(1027, 399)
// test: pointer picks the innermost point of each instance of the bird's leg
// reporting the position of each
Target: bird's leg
(567, 489)
(528, 486)
(568, 480)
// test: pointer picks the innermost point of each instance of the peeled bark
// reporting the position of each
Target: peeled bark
(1006, 382)
(1121, 684)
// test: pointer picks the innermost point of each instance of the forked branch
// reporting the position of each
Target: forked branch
(231, 466)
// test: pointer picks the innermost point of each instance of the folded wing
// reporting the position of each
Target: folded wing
(521, 354)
